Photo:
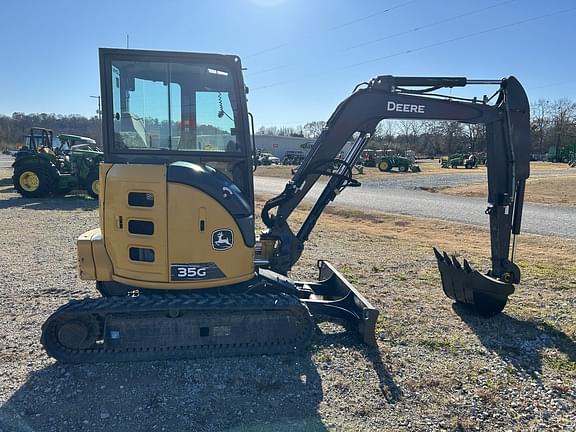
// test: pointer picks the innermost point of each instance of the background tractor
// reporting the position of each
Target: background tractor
(42, 169)
(454, 161)
(369, 158)
(386, 160)
(403, 164)
(564, 154)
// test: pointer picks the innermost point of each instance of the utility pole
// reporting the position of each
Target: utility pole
(99, 112)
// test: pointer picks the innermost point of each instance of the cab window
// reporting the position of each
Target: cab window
(173, 107)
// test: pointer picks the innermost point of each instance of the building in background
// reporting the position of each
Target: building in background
(279, 145)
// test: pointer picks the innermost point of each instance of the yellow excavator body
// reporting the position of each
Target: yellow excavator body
(149, 225)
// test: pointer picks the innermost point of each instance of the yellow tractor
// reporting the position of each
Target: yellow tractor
(176, 258)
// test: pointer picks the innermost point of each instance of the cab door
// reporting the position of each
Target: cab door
(135, 235)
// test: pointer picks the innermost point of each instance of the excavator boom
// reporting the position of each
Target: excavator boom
(388, 97)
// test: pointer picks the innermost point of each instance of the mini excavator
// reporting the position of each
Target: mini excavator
(176, 260)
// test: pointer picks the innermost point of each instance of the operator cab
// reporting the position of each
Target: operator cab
(177, 107)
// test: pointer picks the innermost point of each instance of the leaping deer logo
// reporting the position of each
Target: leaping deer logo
(222, 239)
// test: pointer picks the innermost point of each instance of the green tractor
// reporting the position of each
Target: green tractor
(564, 154)
(454, 161)
(42, 169)
(388, 161)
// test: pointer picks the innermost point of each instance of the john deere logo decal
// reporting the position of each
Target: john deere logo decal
(222, 239)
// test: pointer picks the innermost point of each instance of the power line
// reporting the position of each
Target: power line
(372, 15)
(560, 83)
(413, 50)
(337, 27)
(390, 36)
(433, 24)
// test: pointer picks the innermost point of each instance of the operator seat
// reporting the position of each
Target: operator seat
(132, 130)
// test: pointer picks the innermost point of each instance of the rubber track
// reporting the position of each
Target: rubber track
(161, 304)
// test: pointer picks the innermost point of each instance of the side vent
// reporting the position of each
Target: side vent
(141, 254)
(141, 199)
(141, 227)
(202, 219)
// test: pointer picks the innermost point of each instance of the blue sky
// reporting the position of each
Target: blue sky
(302, 56)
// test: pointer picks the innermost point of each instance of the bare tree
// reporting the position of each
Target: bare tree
(540, 122)
(314, 129)
(476, 137)
(564, 113)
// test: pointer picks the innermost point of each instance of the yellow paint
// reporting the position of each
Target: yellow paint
(96, 186)
(103, 254)
(120, 180)
(93, 260)
(188, 244)
(86, 266)
(29, 181)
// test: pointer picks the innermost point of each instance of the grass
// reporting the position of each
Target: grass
(544, 261)
(557, 190)
(560, 190)
(428, 167)
(441, 344)
(432, 364)
(560, 363)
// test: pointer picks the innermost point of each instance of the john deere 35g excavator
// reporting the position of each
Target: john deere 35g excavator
(176, 259)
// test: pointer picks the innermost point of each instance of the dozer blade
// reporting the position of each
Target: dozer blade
(335, 297)
(177, 326)
(462, 283)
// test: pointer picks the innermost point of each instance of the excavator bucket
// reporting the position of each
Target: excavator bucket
(462, 283)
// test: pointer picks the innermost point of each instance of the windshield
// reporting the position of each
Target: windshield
(171, 106)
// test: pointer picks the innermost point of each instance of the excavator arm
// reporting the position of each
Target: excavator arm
(389, 97)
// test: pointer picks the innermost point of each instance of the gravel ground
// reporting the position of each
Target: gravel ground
(6, 161)
(439, 181)
(411, 181)
(537, 219)
(432, 176)
(436, 367)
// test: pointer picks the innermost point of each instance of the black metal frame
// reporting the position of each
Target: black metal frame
(386, 97)
(231, 62)
(333, 296)
(47, 136)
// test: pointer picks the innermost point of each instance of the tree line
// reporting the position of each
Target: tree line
(553, 123)
(14, 128)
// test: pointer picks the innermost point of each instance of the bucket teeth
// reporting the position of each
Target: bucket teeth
(462, 283)
(456, 263)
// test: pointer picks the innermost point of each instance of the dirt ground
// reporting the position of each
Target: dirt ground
(428, 167)
(437, 366)
(559, 190)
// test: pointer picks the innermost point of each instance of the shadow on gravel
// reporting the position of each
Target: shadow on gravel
(390, 391)
(245, 394)
(232, 394)
(70, 202)
(518, 342)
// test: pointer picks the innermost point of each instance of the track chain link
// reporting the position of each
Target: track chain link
(90, 309)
